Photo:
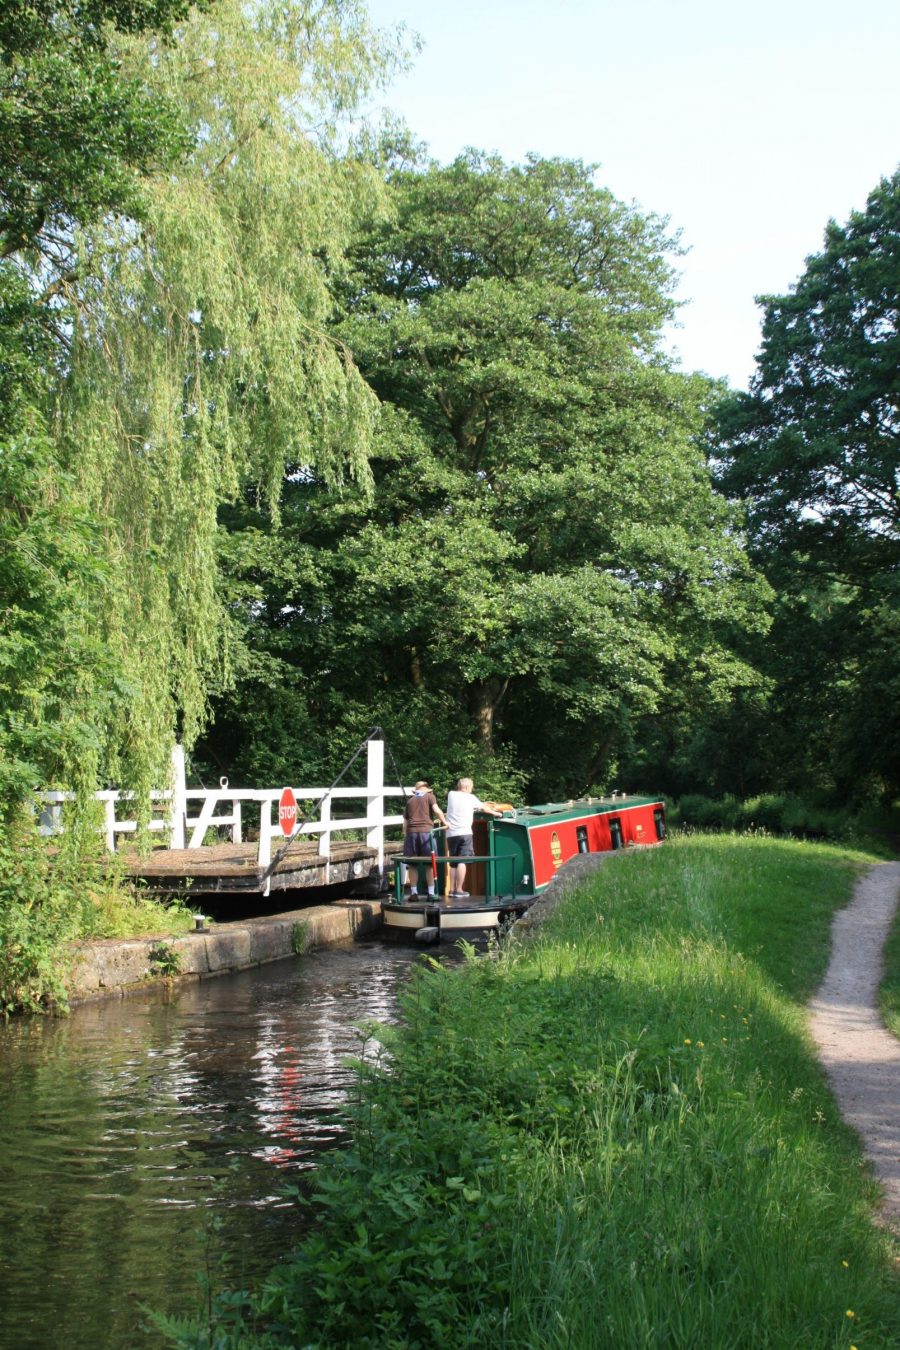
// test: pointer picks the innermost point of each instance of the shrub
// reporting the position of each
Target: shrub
(706, 813)
(773, 812)
(38, 914)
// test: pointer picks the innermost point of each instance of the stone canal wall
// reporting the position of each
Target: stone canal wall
(568, 878)
(113, 967)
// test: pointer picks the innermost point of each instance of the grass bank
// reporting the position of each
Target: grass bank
(613, 1134)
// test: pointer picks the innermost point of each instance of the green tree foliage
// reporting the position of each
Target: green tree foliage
(544, 557)
(814, 448)
(48, 563)
(816, 441)
(76, 137)
(76, 132)
(184, 352)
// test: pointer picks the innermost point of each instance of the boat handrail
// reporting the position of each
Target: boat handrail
(443, 859)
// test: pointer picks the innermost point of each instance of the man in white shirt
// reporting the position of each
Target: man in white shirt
(461, 807)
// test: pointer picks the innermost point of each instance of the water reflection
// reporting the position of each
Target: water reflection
(146, 1142)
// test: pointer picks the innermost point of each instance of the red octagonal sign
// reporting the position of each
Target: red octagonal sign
(287, 811)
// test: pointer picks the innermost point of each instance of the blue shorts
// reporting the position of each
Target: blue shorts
(417, 845)
(460, 845)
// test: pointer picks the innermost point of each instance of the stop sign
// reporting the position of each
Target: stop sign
(287, 811)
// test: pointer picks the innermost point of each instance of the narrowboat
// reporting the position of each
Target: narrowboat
(517, 856)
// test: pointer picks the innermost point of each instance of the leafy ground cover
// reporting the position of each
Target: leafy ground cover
(615, 1133)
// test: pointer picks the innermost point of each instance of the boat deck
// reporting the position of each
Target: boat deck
(450, 915)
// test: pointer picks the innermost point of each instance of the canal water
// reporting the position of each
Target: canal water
(146, 1143)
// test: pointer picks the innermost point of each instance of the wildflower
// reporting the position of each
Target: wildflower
(700, 1045)
(846, 1265)
(687, 1040)
(850, 1313)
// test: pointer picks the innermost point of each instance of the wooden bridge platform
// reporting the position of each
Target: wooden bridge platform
(223, 869)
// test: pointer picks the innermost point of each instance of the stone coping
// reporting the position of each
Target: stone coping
(113, 967)
(568, 878)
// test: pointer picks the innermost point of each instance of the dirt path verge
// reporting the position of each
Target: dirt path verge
(861, 1058)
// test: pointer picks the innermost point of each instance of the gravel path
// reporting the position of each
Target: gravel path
(861, 1058)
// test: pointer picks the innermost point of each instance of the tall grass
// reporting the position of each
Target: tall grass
(613, 1134)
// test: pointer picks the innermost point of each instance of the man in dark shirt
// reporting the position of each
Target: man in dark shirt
(420, 810)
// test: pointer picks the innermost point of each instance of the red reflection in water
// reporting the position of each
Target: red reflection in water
(288, 1098)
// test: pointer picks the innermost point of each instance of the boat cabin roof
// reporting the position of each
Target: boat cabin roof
(575, 810)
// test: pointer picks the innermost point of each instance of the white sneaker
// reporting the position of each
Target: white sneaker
(460, 895)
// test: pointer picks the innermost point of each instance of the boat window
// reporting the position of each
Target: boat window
(583, 846)
(659, 820)
(615, 830)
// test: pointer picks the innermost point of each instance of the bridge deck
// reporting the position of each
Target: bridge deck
(232, 868)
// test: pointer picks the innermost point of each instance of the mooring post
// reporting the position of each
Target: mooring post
(375, 799)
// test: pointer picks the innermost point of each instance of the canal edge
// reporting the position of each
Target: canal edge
(116, 967)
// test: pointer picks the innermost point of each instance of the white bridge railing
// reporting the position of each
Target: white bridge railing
(193, 811)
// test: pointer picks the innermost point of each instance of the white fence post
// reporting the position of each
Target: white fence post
(264, 849)
(109, 817)
(325, 835)
(375, 799)
(179, 799)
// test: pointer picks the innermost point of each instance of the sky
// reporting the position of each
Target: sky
(748, 125)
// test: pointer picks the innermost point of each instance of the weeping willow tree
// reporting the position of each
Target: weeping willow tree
(198, 363)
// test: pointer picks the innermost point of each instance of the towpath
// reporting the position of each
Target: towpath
(861, 1058)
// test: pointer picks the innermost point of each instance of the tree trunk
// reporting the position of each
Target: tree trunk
(597, 763)
(485, 697)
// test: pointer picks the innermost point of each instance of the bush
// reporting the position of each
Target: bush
(38, 914)
(765, 812)
(707, 814)
(773, 812)
(808, 821)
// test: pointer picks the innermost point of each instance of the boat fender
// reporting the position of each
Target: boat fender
(427, 935)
